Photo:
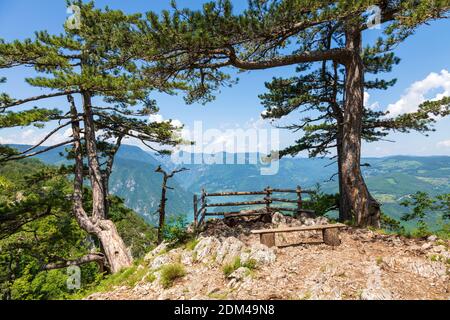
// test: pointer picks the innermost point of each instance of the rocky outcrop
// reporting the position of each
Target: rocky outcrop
(163, 247)
(229, 250)
(259, 253)
(206, 248)
(368, 265)
(211, 249)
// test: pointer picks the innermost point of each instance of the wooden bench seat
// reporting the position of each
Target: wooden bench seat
(330, 233)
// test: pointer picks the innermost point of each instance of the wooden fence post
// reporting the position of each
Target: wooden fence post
(268, 199)
(202, 208)
(195, 211)
(299, 199)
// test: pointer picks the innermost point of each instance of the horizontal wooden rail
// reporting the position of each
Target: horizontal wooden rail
(243, 193)
(295, 229)
(235, 213)
(291, 191)
(201, 203)
(231, 204)
(283, 200)
(283, 209)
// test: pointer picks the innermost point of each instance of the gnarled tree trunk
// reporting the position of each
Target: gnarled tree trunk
(115, 251)
(354, 190)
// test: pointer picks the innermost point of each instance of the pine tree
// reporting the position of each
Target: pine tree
(272, 34)
(95, 67)
(319, 95)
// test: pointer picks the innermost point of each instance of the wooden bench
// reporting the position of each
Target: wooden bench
(330, 233)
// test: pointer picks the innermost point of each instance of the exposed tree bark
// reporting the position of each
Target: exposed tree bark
(116, 253)
(107, 173)
(95, 173)
(354, 189)
(162, 205)
(91, 257)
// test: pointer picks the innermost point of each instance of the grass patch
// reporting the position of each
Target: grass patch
(150, 278)
(171, 272)
(127, 277)
(379, 261)
(190, 245)
(229, 268)
(306, 296)
(218, 296)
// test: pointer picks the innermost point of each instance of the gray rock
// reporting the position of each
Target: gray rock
(439, 249)
(187, 258)
(161, 260)
(262, 254)
(278, 218)
(321, 220)
(229, 250)
(432, 238)
(206, 249)
(163, 247)
(239, 274)
(376, 294)
(309, 222)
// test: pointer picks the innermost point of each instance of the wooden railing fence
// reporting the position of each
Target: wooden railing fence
(201, 204)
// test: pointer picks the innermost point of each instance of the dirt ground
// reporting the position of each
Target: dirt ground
(367, 265)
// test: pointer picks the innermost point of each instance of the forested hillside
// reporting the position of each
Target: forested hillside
(391, 179)
(38, 232)
(133, 179)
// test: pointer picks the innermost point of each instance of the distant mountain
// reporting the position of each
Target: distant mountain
(134, 180)
(389, 179)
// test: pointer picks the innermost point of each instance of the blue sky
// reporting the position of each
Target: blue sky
(423, 72)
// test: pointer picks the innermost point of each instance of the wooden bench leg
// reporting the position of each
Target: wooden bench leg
(331, 236)
(267, 239)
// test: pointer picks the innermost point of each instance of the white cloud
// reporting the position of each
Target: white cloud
(367, 104)
(159, 118)
(418, 91)
(156, 118)
(177, 123)
(252, 136)
(33, 136)
(444, 144)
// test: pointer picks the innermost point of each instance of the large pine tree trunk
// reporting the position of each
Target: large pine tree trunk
(115, 251)
(354, 190)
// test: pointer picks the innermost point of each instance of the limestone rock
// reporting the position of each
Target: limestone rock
(163, 247)
(187, 258)
(229, 250)
(278, 218)
(206, 248)
(161, 260)
(376, 294)
(240, 273)
(439, 249)
(262, 254)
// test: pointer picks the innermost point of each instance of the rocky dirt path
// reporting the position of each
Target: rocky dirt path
(367, 265)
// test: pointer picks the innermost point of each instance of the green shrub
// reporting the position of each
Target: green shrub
(175, 230)
(251, 264)
(190, 245)
(229, 268)
(171, 272)
(150, 277)
(321, 202)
